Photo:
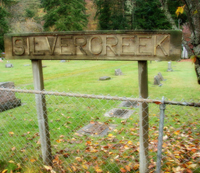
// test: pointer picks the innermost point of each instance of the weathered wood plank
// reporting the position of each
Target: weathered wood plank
(42, 112)
(95, 45)
(144, 116)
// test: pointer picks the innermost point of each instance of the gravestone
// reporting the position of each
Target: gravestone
(118, 72)
(156, 80)
(62, 61)
(96, 129)
(169, 66)
(8, 65)
(105, 78)
(160, 76)
(7, 98)
(119, 113)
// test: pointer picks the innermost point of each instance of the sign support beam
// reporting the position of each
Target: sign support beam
(42, 112)
(144, 116)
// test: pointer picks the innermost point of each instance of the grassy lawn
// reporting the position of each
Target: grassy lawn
(116, 152)
(82, 77)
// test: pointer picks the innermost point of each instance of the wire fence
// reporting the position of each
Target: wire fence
(96, 133)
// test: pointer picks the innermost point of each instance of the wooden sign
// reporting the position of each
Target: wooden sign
(95, 45)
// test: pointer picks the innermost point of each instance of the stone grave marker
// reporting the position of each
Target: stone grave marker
(119, 113)
(8, 65)
(169, 66)
(7, 98)
(160, 76)
(105, 78)
(156, 80)
(62, 61)
(118, 72)
(96, 129)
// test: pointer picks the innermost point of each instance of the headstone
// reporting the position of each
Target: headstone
(105, 78)
(184, 53)
(7, 98)
(44, 66)
(8, 65)
(119, 113)
(160, 76)
(118, 72)
(169, 66)
(62, 61)
(156, 80)
(96, 129)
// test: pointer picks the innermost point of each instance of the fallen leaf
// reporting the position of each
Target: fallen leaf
(136, 166)
(66, 155)
(193, 58)
(11, 161)
(13, 148)
(11, 133)
(69, 170)
(98, 170)
(128, 168)
(84, 167)
(48, 168)
(192, 166)
(78, 159)
(5, 170)
(88, 142)
(110, 135)
(123, 170)
(33, 160)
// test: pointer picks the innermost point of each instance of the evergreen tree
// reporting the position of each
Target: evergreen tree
(65, 15)
(111, 14)
(3, 27)
(131, 14)
(149, 16)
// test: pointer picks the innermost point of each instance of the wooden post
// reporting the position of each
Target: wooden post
(144, 116)
(42, 112)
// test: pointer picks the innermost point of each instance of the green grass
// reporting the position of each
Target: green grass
(68, 114)
(82, 77)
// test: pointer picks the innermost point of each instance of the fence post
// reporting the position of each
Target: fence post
(42, 112)
(160, 137)
(144, 116)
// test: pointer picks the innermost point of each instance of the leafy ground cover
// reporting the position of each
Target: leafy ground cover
(116, 152)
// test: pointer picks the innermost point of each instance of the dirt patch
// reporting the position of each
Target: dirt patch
(185, 60)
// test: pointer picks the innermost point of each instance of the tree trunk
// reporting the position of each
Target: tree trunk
(167, 14)
(193, 13)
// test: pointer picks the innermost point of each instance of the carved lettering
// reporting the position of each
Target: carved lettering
(99, 45)
(65, 45)
(159, 44)
(123, 46)
(36, 53)
(128, 38)
(80, 45)
(111, 45)
(28, 46)
(143, 42)
(18, 47)
(51, 48)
